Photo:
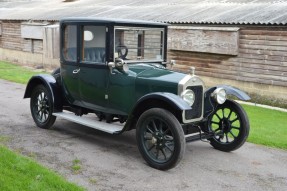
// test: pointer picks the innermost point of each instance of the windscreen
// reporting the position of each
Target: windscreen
(143, 44)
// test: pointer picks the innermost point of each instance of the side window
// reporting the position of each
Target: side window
(94, 44)
(70, 43)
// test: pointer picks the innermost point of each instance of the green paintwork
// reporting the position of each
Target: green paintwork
(70, 83)
(121, 91)
(157, 80)
(93, 84)
(125, 89)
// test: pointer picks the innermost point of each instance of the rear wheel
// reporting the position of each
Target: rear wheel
(230, 125)
(160, 138)
(41, 105)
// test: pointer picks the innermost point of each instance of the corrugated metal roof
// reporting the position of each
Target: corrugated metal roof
(265, 12)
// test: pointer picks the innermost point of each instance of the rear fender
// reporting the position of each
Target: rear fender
(50, 83)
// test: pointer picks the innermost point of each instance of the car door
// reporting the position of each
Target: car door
(93, 74)
(69, 63)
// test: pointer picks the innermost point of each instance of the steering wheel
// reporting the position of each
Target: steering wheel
(122, 51)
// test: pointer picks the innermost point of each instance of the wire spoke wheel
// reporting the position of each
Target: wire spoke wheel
(230, 126)
(160, 138)
(41, 107)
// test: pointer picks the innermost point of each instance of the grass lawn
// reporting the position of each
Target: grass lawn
(21, 173)
(267, 127)
(18, 172)
(15, 73)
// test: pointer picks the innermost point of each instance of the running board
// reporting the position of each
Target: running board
(111, 128)
(196, 137)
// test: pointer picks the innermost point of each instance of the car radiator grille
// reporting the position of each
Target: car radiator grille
(196, 110)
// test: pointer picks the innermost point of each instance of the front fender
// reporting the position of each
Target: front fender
(230, 90)
(50, 83)
(172, 99)
(168, 101)
(210, 104)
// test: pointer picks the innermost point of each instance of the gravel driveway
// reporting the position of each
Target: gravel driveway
(112, 162)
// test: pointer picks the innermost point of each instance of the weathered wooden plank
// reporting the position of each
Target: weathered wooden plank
(51, 42)
(263, 42)
(233, 77)
(219, 42)
(182, 54)
(258, 69)
(37, 46)
(263, 37)
(263, 76)
(267, 62)
(237, 66)
(11, 35)
(213, 70)
(194, 59)
(255, 66)
(243, 57)
(271, 32)
(260, 47)
(203, 63)
(27, 45)
(263, 52)
(263, 57)
(242, 74)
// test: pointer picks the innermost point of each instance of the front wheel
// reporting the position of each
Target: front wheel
(41, 105)
(160, 138)
(230, 126)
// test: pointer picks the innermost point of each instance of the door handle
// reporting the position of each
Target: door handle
(76, 71)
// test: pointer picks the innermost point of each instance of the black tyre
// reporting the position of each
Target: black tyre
(231, 126)
(160, 138)
(41, 105)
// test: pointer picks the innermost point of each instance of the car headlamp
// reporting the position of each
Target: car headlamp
(188, 96)
(219, 95)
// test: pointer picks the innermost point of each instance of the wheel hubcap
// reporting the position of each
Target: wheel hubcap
(158, 140)
(226, 125)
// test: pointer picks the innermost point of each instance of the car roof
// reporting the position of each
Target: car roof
(110, 21)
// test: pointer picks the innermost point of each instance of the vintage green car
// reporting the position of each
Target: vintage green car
(117, 69)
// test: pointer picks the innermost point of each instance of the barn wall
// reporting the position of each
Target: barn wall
(18, 49)
(261, 62)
